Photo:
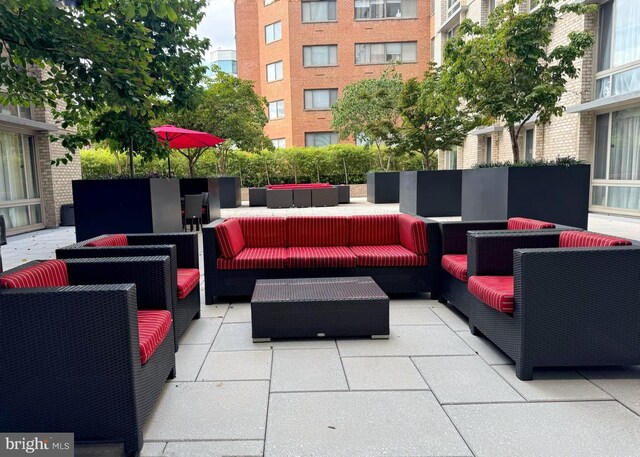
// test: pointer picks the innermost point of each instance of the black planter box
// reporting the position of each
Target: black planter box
(230, 192)
(383, 187)
(192, 186)
(150, 205)
(431, 193)
(556, 194)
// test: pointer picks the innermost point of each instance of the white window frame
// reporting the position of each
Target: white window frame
(305, 64)
(321, 20)
(330, 91)
(333, 134)
(279, 143)
(278, 106)
(383, 5)
(275, 66)
(386, 52)
(533, 143)
(272, 27)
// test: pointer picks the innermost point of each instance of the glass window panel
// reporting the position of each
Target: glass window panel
(409, 9)
(362, 53)
(394, 51)
(625, 82)
(13, 185)
(273, 32)
(31, 170)
(626, 32)
(623, 197)
(528, 144)
(598, 195)
(409, 52)
(318, 11)
(603, 87)
(604, 37)
(36, 214)
(624, 157)
(319, 139)
(278, 143)
(488, 149)
(377, 53)
(16, 216)
(602, 147)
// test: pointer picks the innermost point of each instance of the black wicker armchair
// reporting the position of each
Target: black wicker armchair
(73, 357)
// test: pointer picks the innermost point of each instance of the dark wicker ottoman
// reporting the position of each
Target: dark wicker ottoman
(319, 307)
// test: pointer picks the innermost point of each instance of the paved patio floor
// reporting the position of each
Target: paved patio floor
(432, 389)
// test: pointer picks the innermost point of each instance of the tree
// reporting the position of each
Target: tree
(506, 70)
(368, 109)
(432, 118)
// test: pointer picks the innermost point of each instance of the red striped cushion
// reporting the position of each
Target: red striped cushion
(153, 326)
(109, 240)
(413, 234)
(495, 291)
(522, 223)
(264, 232)
(374, 230)
(188, 278)
(230, 239)
(321, 257)
(50, 273)
(387, 256)
(576, 239)
(456, 264)
(251, 258)
(317, 231)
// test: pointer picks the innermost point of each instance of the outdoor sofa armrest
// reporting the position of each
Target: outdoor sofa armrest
(186, 245)
(454, 234)
(211, 252)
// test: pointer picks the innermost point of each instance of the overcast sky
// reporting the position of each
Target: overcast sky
(219, 25)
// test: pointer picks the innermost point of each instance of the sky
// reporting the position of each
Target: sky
(219, 24)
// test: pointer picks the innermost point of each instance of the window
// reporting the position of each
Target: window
(269, 2)
(453, 32)
(451, 159)
(453, 7)
(278, 143)
(273, 32)
(320, 99)
(533, 4)
(276, 109)
(529, 146)
(318, 139)
(382, 9)
(375, 53)
(318, 11)
(491, 5)
(320, 56)
(433, 49)
(274, 71)
(487, 149)
(18, 111)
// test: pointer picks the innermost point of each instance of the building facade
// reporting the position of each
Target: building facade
(226, 60)
(602, 123)
(301, 54)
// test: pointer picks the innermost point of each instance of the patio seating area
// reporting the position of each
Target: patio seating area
(432, 389)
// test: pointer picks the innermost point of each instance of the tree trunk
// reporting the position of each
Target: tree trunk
(192, 164)
(380, 161)
(515, 147)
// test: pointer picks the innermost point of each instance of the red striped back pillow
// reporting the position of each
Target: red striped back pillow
(50, 273)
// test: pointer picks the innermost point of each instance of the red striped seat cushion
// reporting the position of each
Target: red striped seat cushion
(251, 258)
(387, 256)
(413, 234)
(372, 230)
(495, 291)
(522, 223)
(50, 273)
(576, 239)
(230, 238)
(317, 231)
(109, 240)
(456, 264)
(188, 278)
(264, 232)
(153, 326)
(321, 257)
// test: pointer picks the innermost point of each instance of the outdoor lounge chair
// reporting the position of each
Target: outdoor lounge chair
(84, 349)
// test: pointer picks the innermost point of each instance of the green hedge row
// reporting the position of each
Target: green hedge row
(335, 164)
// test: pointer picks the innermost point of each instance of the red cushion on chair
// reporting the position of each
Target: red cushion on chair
(230, 238)
(576, 239)
(109, 240)
(188, 278)
(456, 264)
(252, 258)
(374, 230)
(387, 256)
(50, 273)
(495, 291)
(413, 234)
(153, 326)
(522, 223)
(264, 232)
(321, 257)
(317, 231)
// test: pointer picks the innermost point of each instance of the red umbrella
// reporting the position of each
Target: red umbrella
(177, 138)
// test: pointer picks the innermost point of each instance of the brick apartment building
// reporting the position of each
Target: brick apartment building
(302, 53)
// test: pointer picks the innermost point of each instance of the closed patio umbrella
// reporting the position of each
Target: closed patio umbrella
(178, 138)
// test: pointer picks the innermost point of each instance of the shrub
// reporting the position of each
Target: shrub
(563, 161)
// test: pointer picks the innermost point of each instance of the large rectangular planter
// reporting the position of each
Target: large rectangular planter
(230, 196)
(191, 186)
(431, 193)
(150, 205)
(383, 187)
(556, 194)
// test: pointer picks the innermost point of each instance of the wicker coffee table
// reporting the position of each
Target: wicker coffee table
(319, 307)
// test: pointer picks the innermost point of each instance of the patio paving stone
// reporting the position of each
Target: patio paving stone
(236, 365)
(454, 319)
(413, 316)
(238, 312)
(464, 379)
(214, 449)
(201, 331)
(153, 449)
(485, 349)
(218, 310)
(353, 424)
(230, 410)
(237, 337)
(189, 360)
(599, 428)
(382, 373)
(307, 370)
(623, 383)
(412, 301)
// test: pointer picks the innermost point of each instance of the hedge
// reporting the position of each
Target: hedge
(334, 164)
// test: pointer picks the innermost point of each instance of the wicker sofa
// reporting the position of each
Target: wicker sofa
(87, 346)
(556, 299)
(395, 250)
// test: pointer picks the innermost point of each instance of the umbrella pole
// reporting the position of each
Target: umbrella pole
(169, 163)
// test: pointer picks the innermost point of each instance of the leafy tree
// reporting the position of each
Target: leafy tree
(507, 69)
(368, 110)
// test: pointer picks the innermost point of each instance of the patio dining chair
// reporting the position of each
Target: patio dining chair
(192, 211)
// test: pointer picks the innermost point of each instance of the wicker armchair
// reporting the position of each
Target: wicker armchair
(72, 359)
